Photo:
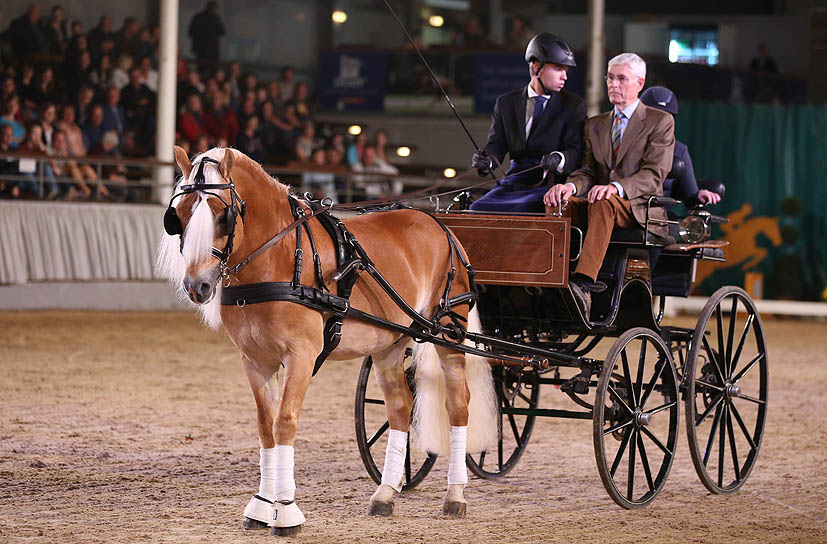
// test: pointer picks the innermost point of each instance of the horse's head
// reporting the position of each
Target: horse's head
(206, 213)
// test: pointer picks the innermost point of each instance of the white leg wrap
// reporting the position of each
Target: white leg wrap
(457, 473)
(393, 473)
(267, 464)
(285, 484)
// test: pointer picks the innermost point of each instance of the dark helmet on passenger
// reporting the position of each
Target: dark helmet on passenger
(660, 98)
(546, 47)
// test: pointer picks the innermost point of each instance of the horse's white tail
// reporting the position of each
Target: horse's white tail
(430, 420)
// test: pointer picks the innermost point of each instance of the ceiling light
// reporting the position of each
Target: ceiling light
(339, 16)
(354, 130)
(403, 151)
(449, 172)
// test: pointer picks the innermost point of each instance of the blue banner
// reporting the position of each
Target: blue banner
(496, 74)
(352, 81)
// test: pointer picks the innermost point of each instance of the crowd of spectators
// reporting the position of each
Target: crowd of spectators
(67, 93)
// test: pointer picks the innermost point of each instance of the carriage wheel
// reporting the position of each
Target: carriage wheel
(517, 392)
(636, 418)
(726, 390)
(372, 429)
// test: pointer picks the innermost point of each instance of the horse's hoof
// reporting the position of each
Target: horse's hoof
(286, 531)
(453, 508)
(377, 508)
(253, 524)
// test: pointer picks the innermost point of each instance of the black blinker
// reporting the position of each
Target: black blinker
(172, 223)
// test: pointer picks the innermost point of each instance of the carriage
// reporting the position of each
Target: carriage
(717, 370)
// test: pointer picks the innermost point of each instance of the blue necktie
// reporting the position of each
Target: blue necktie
(539, 102)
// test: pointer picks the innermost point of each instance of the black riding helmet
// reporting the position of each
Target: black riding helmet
(660, 98)
(546, 47)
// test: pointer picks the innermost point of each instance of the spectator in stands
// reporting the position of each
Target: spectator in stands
(126, 40)
(191, 123)
(287, 82)
(472, 34)
(381, 144)
(145, 46)
(120, 75)
(299, 100)
(8, 166)
(249, 142)
(305, 144)
(83, 104)
(248, 109)
(7, 89)
(75, 140)
(101, 76)
(114, 117)
(274, 96)
(81, 74)
(202, 144)
(114, 175)
(519, 34)
(69, 168)
(27, 86)
(92, 131)
(33, 145)
(190, 85)
(234, 79)
(55, 32)
(138, 103)
(47, 117)
(249, 84)
(11, 117)
(101, 39)
(270, 134)
(149, 75)
(356, 149)
(763, 62)
(318, 179)
(206, 30)
(370, 164)
(221, 121)
(77, 43)
(26, 37)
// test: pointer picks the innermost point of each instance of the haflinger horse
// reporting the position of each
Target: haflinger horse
(226, 200)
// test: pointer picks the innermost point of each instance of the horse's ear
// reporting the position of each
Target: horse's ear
(183, 161)
(226, 164)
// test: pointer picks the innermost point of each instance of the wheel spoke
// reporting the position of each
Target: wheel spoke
(751, 399)
(482, 458)
(620, 450)
(743, 427)
(640, 367)
(657, 442)
(733, 314)
(732, 448)
(645, 462)
(741, 341)
(629, 388)
(618, 398)
(748, 367)
(630, 484)
(378, 434)
(708, 385)
(708, 410)
(719, 318)
(617, 427)
(714, 359)
(662, 407)
(651, 385)
(711, 439)
(408, 461)
(374, 401)
(722, 447)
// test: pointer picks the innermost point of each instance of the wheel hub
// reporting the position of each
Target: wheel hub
(642, 418)
(732, 391)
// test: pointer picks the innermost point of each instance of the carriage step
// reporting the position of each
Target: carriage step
(578, 384)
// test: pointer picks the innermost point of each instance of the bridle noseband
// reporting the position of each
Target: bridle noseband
(232, 209)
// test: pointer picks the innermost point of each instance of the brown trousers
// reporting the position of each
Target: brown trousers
(600, 217)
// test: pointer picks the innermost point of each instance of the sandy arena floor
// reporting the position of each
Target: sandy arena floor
(139, 427)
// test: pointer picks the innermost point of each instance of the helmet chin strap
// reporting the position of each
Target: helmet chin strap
(537, 76)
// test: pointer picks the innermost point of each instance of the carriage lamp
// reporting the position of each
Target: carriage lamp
(449, 172)
(338, 16)
(694, 228)
(403, 151)
(354, 130)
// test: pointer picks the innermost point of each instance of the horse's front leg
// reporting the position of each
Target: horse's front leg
(390, 376)
(457, 397)
(259, 511)
(298, 370)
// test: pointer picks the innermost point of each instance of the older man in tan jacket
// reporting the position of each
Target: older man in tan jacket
(628, 153)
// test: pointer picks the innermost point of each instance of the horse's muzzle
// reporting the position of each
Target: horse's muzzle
(199, 289)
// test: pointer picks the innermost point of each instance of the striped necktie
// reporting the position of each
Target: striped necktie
(616, 132)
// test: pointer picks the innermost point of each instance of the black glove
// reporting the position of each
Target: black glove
(551, 161)
(482, 161)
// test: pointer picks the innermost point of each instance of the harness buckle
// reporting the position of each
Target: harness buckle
(240, 302)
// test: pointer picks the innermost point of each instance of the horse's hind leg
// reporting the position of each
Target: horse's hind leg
(259, 511)
(390, 376)
(457, 397)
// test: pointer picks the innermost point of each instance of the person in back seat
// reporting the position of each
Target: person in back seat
(680, 182)
(628, 154)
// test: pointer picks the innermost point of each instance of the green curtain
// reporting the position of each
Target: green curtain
(765, 154)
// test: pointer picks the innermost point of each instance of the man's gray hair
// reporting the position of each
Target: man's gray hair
(636, 64)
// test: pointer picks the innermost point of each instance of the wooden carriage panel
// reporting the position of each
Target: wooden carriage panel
(514, 249)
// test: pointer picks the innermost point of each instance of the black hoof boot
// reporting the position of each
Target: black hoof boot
(253, 524)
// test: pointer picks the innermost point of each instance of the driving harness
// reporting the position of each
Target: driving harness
(351, 261)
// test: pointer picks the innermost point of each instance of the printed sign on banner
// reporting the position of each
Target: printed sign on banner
(352, 81)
